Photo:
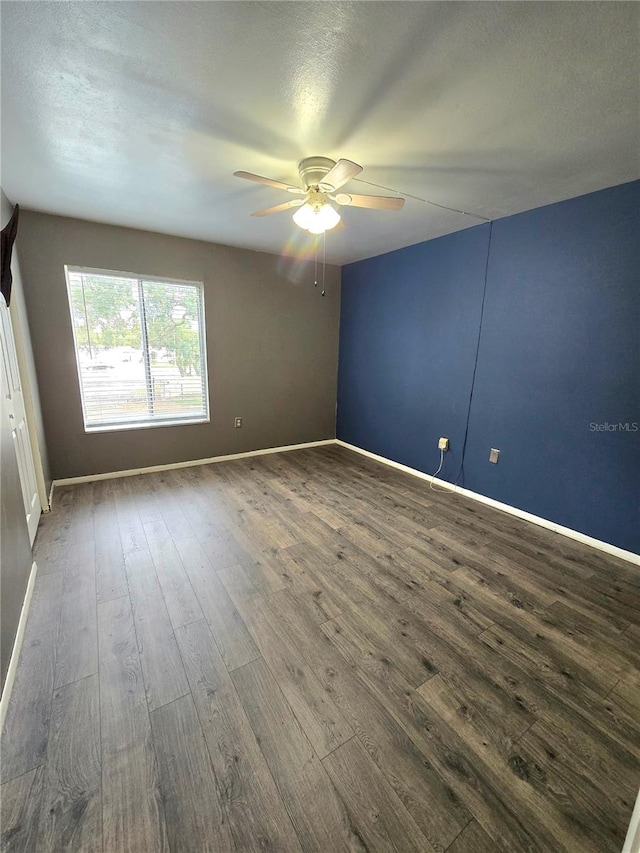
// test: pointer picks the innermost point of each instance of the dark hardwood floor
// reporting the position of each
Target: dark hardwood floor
(313, 652)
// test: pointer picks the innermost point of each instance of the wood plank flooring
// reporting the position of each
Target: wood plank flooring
(309, 651)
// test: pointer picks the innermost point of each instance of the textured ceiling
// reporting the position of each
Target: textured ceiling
(137, 113)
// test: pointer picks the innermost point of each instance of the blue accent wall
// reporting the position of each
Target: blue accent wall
(559, 351)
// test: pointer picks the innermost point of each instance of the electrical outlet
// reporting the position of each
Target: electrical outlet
(494, 455)
(443, 444)
(238, 423)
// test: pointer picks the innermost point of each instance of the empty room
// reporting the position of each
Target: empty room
(320, 478)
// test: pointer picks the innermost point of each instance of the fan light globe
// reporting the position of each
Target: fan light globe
(329, 216)
(316, 221)
(304, 216)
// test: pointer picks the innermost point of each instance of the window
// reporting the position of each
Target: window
(140, 349)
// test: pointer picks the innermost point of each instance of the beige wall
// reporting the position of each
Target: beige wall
(272, 345)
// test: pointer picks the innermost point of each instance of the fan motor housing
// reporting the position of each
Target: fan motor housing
(313, 169)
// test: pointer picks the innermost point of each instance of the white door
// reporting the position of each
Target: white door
(12, 389)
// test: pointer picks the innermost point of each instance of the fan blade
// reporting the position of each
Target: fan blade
(373, 202)
(295, 202)
(342, 172)
(249, 176)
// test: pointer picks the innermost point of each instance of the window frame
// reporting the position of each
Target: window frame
(169, 421)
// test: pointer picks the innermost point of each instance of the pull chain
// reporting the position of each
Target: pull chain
(324, 256)
(315, 274)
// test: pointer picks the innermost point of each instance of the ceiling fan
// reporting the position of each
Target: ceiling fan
(321, 177)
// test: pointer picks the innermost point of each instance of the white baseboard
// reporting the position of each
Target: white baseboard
(17, 646)
(511, 510)
(632, 841)
(132, 472)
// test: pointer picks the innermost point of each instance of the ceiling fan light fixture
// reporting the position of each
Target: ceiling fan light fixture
(316, 220)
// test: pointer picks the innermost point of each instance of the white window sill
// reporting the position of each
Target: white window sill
(146, 425)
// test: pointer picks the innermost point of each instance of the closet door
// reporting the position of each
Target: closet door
(12, 390)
